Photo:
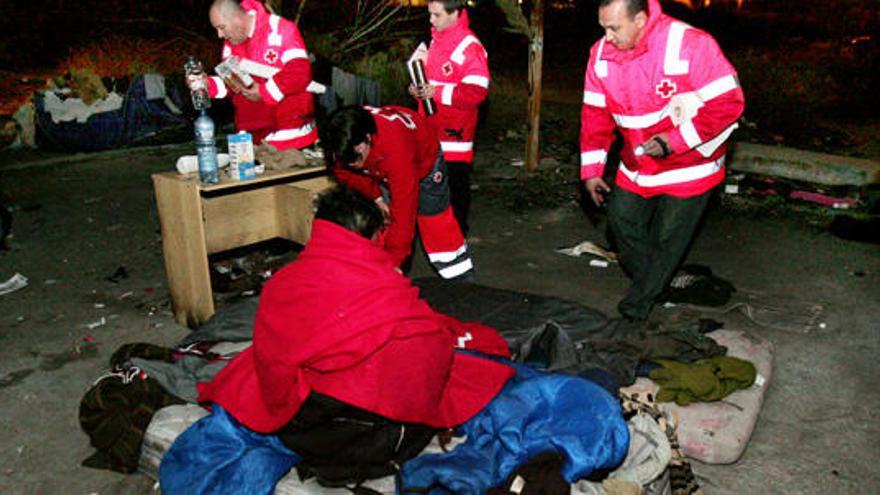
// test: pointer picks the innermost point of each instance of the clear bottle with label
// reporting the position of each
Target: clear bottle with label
(198, 83)
(206, 150)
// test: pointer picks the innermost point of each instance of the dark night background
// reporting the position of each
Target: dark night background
(810, 68)
(86, 231)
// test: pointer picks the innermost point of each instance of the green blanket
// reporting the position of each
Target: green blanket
(705, 380)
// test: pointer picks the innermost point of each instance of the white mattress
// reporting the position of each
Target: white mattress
(718, 432)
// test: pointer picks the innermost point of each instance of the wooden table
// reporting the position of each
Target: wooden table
(199, 219)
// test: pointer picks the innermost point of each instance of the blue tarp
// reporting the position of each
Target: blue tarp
(138, 119)
(218, 455)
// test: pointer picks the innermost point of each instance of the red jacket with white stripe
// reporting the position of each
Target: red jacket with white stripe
(457, 65)
(402, 152)
(275, 55)
(676, 81)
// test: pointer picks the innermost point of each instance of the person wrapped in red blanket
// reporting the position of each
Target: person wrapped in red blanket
(343, 322)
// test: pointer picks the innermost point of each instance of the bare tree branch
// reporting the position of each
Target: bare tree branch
(299, 12)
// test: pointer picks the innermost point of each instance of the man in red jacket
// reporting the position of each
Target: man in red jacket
(675, 99)
(277, 108)
(458, 81)
(342, 322)
(390, 155)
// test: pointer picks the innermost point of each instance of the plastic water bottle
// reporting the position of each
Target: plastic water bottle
(194, 71)
(206, 149)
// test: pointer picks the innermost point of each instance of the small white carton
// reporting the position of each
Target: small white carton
(241, 156)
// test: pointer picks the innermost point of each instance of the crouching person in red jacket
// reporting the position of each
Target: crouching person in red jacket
(339, 333)
(392, 156)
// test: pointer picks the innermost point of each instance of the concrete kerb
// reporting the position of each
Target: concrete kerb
(805, 166)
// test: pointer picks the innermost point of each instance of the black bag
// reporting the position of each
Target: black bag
(342, 445)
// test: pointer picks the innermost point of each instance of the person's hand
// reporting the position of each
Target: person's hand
(413, 91)
(428, 91)
(252, 93)
(197, 81)
(422, 92)
(657, 146)
(383, 207)
(597, 189)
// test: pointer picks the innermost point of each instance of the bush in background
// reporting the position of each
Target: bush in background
(90, 70)
(121, 56)
(388, 68)
(783, 97)
(806, 93)
(371, 38)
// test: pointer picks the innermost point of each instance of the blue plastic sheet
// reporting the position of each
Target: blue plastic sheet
(218, 456)
(534, 413)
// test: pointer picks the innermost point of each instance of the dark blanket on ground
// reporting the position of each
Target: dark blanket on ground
(568, 337)
(546, 332)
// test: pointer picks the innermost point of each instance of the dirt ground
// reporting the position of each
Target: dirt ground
(78, 219)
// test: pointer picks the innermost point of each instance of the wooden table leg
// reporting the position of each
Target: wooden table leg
(183, 244)
(295, 208)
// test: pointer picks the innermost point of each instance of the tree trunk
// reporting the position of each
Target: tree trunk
(536, 59)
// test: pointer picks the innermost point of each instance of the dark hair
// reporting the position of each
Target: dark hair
(344, 129)
(451, 6)
(350, 209)
(633, 7)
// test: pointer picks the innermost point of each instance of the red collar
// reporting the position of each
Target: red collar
(461, 26)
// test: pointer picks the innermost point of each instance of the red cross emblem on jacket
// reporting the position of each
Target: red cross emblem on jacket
(666, 88)
(270, 56)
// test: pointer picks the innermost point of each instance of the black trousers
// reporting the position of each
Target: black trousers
(459, 174)
(653, 236)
